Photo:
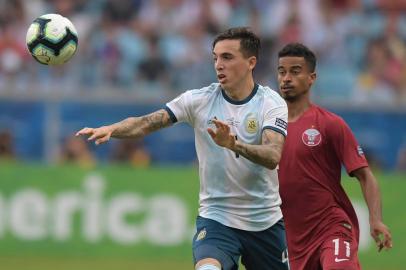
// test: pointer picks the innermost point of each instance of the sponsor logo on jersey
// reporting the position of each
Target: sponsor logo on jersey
(346, 225)
(340, 260)
(285, 256)
(251, 123)
(311, 137)
(201, 235)
(281, 123)
(232, 122)
(360, 151)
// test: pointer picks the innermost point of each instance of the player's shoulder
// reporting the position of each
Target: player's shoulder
(200, 95)
(328, 117)
(271, 96)
(205, 91)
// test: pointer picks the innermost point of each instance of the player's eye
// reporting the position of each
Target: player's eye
(281, 72)
(296, 72)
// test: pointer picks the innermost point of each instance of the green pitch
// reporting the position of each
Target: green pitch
(181, 183)
(393, 187)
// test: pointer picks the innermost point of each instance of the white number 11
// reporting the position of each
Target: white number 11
(337, 246)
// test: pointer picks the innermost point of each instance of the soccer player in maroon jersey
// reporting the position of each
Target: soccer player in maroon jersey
(321, 224)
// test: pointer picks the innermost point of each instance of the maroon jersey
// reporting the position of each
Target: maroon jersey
(313, 200)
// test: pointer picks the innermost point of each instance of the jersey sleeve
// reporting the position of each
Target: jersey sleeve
(347, 147)
(276, 118)
(179, 108)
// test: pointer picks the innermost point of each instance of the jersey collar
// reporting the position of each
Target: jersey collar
(240, 102)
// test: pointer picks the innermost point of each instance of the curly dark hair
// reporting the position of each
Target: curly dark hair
(299, 50)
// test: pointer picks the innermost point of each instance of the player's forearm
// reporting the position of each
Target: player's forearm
(265, 155)
(372, 195)
(136, 127)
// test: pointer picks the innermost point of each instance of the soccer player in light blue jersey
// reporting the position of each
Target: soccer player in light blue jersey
(240, 129)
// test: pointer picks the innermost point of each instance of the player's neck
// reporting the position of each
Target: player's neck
(296, 108)
(241, 91)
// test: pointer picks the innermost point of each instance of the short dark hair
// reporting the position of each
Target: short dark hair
(250, 43)
(299, 50)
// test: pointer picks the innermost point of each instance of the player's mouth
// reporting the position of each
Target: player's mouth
(286, 88)
(221, 77)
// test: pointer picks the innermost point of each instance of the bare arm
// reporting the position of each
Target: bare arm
(267, 154)
(370, 190)
(132, 127)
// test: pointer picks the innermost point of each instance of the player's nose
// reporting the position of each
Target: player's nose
(218, 65)
(287, 78)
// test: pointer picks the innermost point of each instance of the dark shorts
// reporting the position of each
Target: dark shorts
(339, 251)
(263, 250)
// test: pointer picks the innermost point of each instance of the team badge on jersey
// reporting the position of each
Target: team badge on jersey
(311, 137)
(251, 123)
(201, 235)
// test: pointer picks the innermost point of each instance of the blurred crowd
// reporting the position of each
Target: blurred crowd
(75, 150)
(163, 47)
(159, 48)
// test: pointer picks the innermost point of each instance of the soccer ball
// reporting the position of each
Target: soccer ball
(52, 39)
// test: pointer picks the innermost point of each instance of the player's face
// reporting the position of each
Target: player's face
(294, 77)
(232, 68)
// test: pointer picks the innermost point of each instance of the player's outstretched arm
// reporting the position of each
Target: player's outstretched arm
(267, 154)
(370, 189)
(132, 127)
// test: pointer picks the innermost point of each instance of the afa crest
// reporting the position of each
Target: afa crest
(251, 124)
(201, 235)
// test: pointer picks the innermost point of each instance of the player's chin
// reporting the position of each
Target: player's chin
(282, 93)
(227, 85)
(287, 95)
(224, 85)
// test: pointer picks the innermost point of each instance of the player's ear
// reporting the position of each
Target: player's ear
(312, 78)
(252, 60)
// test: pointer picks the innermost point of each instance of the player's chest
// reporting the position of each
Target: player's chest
(245, 122)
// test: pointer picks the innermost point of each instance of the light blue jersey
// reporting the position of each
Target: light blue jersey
(233, 190)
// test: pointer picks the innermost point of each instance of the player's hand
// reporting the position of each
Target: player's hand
(222, 136)
(99, 135)
(381, 234)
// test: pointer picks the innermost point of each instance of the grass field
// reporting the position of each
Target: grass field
(393, 187)
(46, 255)
(87, 263)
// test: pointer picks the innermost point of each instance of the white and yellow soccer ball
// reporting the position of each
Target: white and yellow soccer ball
(52, 39)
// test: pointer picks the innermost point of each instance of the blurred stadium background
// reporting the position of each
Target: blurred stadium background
(131, 204)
